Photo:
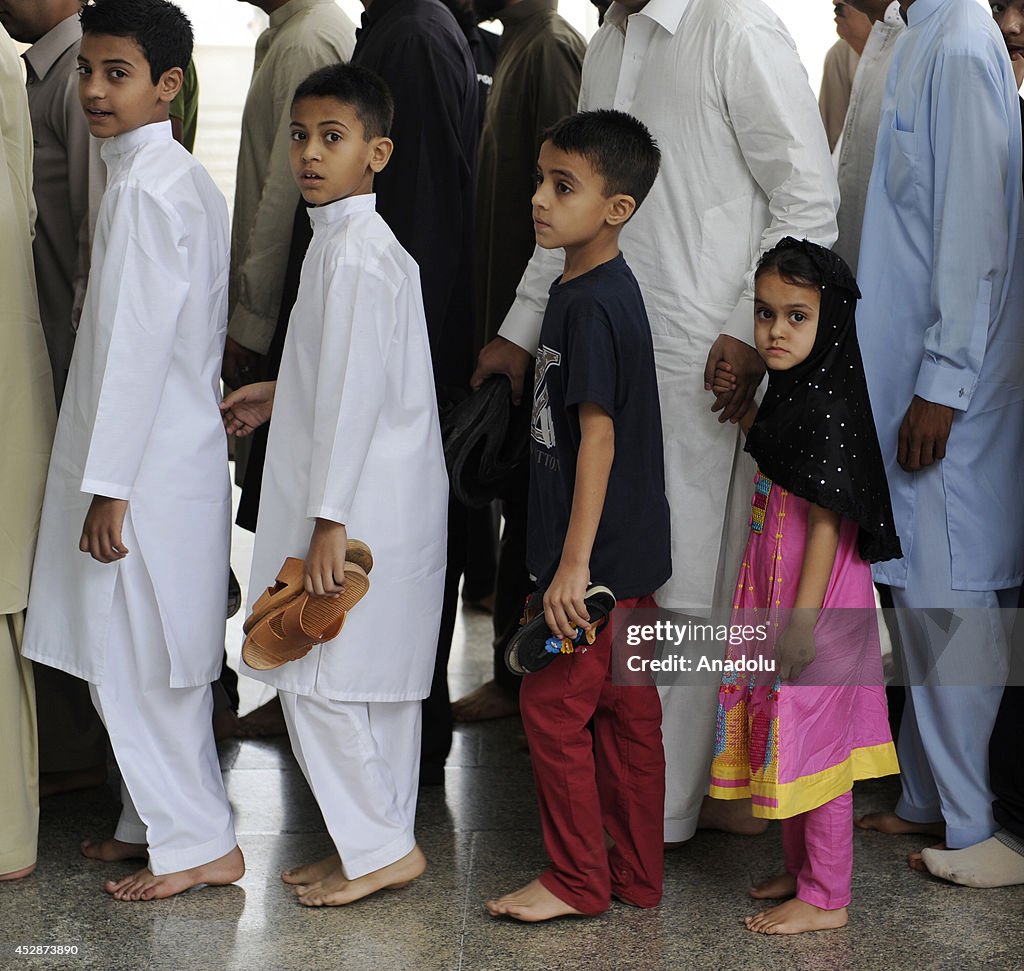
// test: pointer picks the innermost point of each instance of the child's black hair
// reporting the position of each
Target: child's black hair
(618, 147)
(161, 30)
(352, 85)
(794, 264)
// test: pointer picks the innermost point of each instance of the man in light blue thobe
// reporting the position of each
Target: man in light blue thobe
(942, 334)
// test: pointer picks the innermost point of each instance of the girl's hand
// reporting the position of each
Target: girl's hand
(564, 609)
(325, 561)
(247, 408)
(101, 531)
(796, 648)
(724, 381)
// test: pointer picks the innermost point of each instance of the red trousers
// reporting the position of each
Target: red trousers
(612, 782)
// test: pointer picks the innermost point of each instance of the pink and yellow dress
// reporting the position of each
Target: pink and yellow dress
(793, 746)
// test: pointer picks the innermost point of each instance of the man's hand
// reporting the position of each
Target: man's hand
(747, 368)
(247, 408)
(101, 531)
(325, 561)
(241, 366)
(564, 609)
(501, 356)
(796, 648)
(923, 434)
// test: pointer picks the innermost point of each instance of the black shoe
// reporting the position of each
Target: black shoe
(234, 595)
(533, 647)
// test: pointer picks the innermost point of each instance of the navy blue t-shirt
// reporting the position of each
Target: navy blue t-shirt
(595, 346)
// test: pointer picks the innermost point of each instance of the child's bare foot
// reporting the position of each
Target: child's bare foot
(796, 917)
(531, 903)
(730, 816)
(490, 700)
(894, 825)
(112, 851)
(335, 890)
(18, 874)
(303, 876)
(144, 885)
(263, 722)
(778, 888)
(916, 861)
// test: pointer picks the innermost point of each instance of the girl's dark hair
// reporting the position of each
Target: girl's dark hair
(161, 30)
(365, 92)
(794, 264)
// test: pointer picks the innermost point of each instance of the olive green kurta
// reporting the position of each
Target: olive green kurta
(536, 83)
(27, 407)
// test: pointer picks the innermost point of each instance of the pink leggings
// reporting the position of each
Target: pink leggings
(818, 849)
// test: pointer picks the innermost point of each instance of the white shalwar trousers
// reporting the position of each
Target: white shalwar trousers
(172, 791)
(361, 760)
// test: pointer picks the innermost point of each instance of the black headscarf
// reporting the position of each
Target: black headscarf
(814, 433)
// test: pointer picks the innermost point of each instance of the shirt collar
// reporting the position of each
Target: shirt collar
(158, 131)
(291, 8)
(665, 13)
(518, 13)
(378, 10)
(335, 212)
(892, 16)
(46, 51)
(920, 9)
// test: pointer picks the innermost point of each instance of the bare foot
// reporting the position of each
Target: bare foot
(778, 888)
(916, 861)
(312, 872)
(894, 825)
(264, 722)
(795, 917)
(490, 700)
(18, 874)
(144, 885)
(531, 903)
(54, 783)
(335, 890)
(730, 816)
(111, 851)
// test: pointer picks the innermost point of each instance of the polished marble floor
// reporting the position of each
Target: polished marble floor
(480, 834)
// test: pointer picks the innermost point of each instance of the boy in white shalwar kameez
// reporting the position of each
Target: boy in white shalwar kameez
(354, 449)
(138, 477)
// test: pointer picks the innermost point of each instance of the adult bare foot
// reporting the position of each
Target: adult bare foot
(54, 783)
(796, 917)
(336, 890)
(145, 885)
(531, 903)
(916, 861)
(730, 816)
(18, 874)
(778, 888)
(263, 722)
(894, 825)
(111, 851)
(304, 876)
(488, 701)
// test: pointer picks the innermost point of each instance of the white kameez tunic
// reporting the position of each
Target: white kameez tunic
(744, 163)
(355, 439)
(140, 419)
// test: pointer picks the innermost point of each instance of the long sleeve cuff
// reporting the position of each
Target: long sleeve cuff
(740, 323)
(251, 330)
(522, 327)
(944, 385)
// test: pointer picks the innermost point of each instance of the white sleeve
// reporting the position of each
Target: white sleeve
(522, 322)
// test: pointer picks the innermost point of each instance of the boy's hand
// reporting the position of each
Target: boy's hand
(796, 648)
(101, 531)
(247, 408)
(325, 561)
(564, 609)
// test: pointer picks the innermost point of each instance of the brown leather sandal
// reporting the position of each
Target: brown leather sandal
(290, 579)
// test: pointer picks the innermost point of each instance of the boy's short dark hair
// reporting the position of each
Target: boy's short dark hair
(352, 85)
(618, 147)
(161, 30)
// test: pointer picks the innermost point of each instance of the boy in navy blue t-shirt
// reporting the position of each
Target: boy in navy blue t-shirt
(597, 514)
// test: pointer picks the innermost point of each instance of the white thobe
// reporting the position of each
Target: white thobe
(355, 439)
(140, 419)
(744, 163)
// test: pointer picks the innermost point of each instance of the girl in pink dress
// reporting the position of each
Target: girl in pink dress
(795, 739)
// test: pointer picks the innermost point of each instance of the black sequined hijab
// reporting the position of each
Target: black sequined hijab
(814, 433)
